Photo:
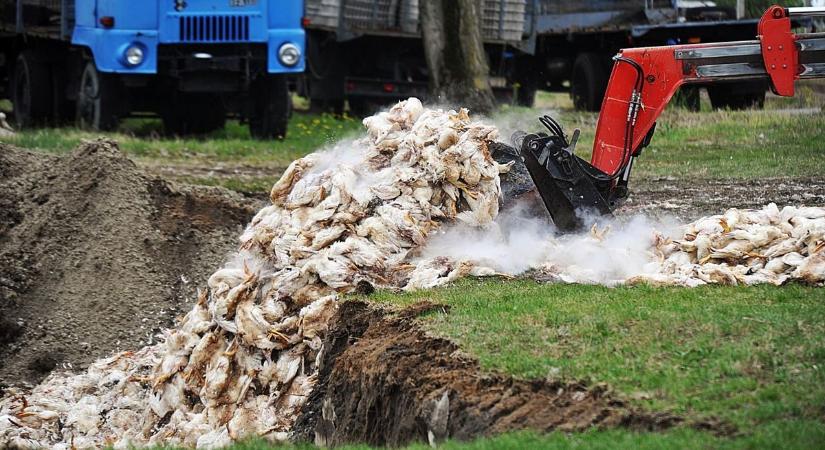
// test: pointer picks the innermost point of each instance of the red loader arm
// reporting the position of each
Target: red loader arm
(642, 83)
(654, 74)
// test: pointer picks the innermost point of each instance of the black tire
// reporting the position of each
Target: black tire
(688, 97)
(526, 95)
(31, 90)
(194, 114)
(527, 74)
(326, 67)
(326, 106)
(64, 108)
(362, 106)
(724, 97)
(100, 99)
(270, 107)
(589, 81)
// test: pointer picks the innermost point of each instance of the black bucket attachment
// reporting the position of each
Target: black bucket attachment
(568, 185)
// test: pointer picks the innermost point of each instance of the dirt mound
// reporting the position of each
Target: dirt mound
(385, 382)
(95, 256)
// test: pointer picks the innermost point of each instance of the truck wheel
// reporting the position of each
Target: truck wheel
(31, 90)
(98, 99)
(270, 107)
(526, 95)
(64, 109)
(326, 106)
(721, 97)
(527, 77)
(362, 106)
(688, 97)
(194, 114)
(589, 81)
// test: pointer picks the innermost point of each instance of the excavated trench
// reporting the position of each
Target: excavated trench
(385, 382)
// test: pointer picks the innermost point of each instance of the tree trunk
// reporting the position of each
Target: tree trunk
(453, 49)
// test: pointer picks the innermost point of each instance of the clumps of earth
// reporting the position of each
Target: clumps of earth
(269, 350)
(96, 257)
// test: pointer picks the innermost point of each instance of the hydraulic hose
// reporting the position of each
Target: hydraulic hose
(632, 113)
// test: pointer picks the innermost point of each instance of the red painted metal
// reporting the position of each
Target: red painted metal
(779, 50)
(664, 74)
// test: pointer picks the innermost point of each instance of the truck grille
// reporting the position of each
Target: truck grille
(213, 28)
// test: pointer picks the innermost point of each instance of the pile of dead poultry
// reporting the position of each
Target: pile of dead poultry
(739, 247)
(243, 361)
(745, 247)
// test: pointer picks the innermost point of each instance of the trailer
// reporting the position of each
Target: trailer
(193, 62)
(369, 52)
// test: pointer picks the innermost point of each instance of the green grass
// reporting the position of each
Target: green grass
(696, 146)
(260, 185)
(790, 437)
(719, 144)
(754, 357)
(730, 144)
(190, 159)
(142, 139)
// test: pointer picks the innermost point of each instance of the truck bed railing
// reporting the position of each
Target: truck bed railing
(502, 20)
(43, 18)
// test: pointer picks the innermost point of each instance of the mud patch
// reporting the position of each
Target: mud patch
(385, 382)
(691, 199)
(95, 256)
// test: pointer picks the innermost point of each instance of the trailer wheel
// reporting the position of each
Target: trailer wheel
(98, 99)
(721, 97)
(688, 97)
(363, 106)
(270, 107)
(527, 78)
(31, 90)
(326, 106)
(194, 114)
(526, 95)
(589, 81)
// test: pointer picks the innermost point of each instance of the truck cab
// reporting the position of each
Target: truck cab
(193, 62)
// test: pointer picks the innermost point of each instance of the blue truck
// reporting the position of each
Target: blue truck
(193, 62)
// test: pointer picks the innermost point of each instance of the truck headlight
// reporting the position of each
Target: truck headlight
(289, 54)
(133, 55)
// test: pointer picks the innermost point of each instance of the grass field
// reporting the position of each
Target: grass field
(785, 140)
(142, 139)
(251, 165)
(752, 357)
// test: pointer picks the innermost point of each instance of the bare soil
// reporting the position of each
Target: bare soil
(97, 257)
(384, 382)
(685, 198)
(691, 199)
